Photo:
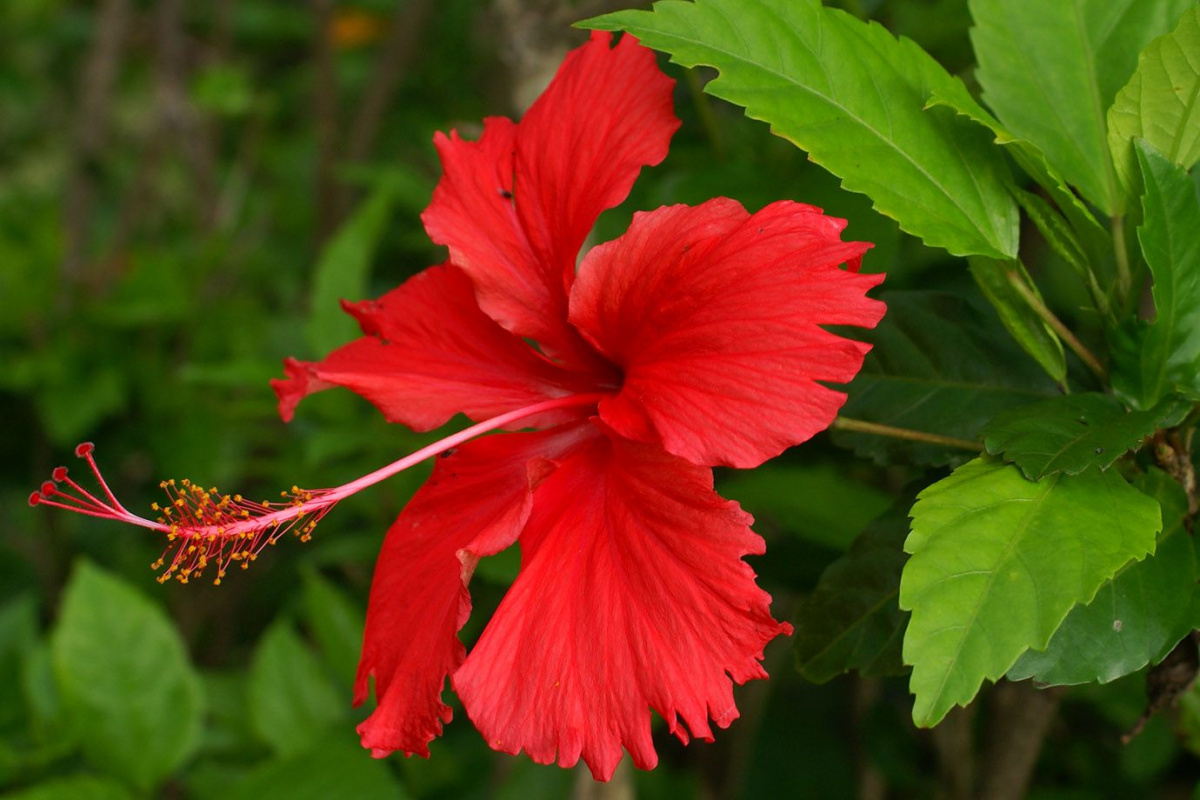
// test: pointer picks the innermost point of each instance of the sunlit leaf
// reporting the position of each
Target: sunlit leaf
(998, 562)
(1135, 619)
(1159, 104)
(1090, 234)
(852, 96)
(1049, 71)
(1154, 359)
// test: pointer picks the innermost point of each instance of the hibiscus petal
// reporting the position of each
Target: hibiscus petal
(715, 317)
(632, 596)
(430, 353)
(515, 207)
(474, 504)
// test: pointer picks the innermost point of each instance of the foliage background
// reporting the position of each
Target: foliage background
(186, 190)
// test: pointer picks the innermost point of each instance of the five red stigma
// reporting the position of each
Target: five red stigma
(204, 528)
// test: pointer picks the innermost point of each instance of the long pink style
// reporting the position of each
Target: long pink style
(206, 528)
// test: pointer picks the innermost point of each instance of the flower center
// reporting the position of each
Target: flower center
(205, 528)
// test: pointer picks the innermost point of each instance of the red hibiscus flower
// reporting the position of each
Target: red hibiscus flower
(692, 341)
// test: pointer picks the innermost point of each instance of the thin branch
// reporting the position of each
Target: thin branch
(1049, 317)
(396, 56)
(326, 107)
(954, 743)
(860, 426)
(1020, 719)
(97, 80)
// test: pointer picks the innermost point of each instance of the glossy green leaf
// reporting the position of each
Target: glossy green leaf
(1161, 102)
(1089, 233)
(818, 503)
(292, 701)
(940, 365)
(343, 270)
(1135, 619)
(335, 765)
(852, 96)
(998, 562)
(1049, 71)
(1035, 336)
(1152, 360)
(852, 620)
(125, 678)
(1070, 433)
(336, 623)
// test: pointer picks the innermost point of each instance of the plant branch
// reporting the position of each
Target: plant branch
(97, 81)
(408, 27)
(1049, 317)
(1020, 719)
(861, 426)
(326, 108)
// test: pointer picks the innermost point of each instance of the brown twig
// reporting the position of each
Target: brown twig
(1020, 717)
(954, 743)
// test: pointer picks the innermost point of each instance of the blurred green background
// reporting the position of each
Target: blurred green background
(187, 189)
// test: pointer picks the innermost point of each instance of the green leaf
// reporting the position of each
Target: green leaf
(940, 365)
(1135, 619)
(852, 619)
(1161, 102)
(291, 699)
(344, 268)
(336, 623)
(1071, 433)
(1061, 237)
(1090, 233)
(1035, 336)
(18, 637)
(853, 96)
(998, 562)
(1049, 71)
(78, 787)
(332, 766)
(1152, 360)
(50, 722)
(125, 678)
(818, 503)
